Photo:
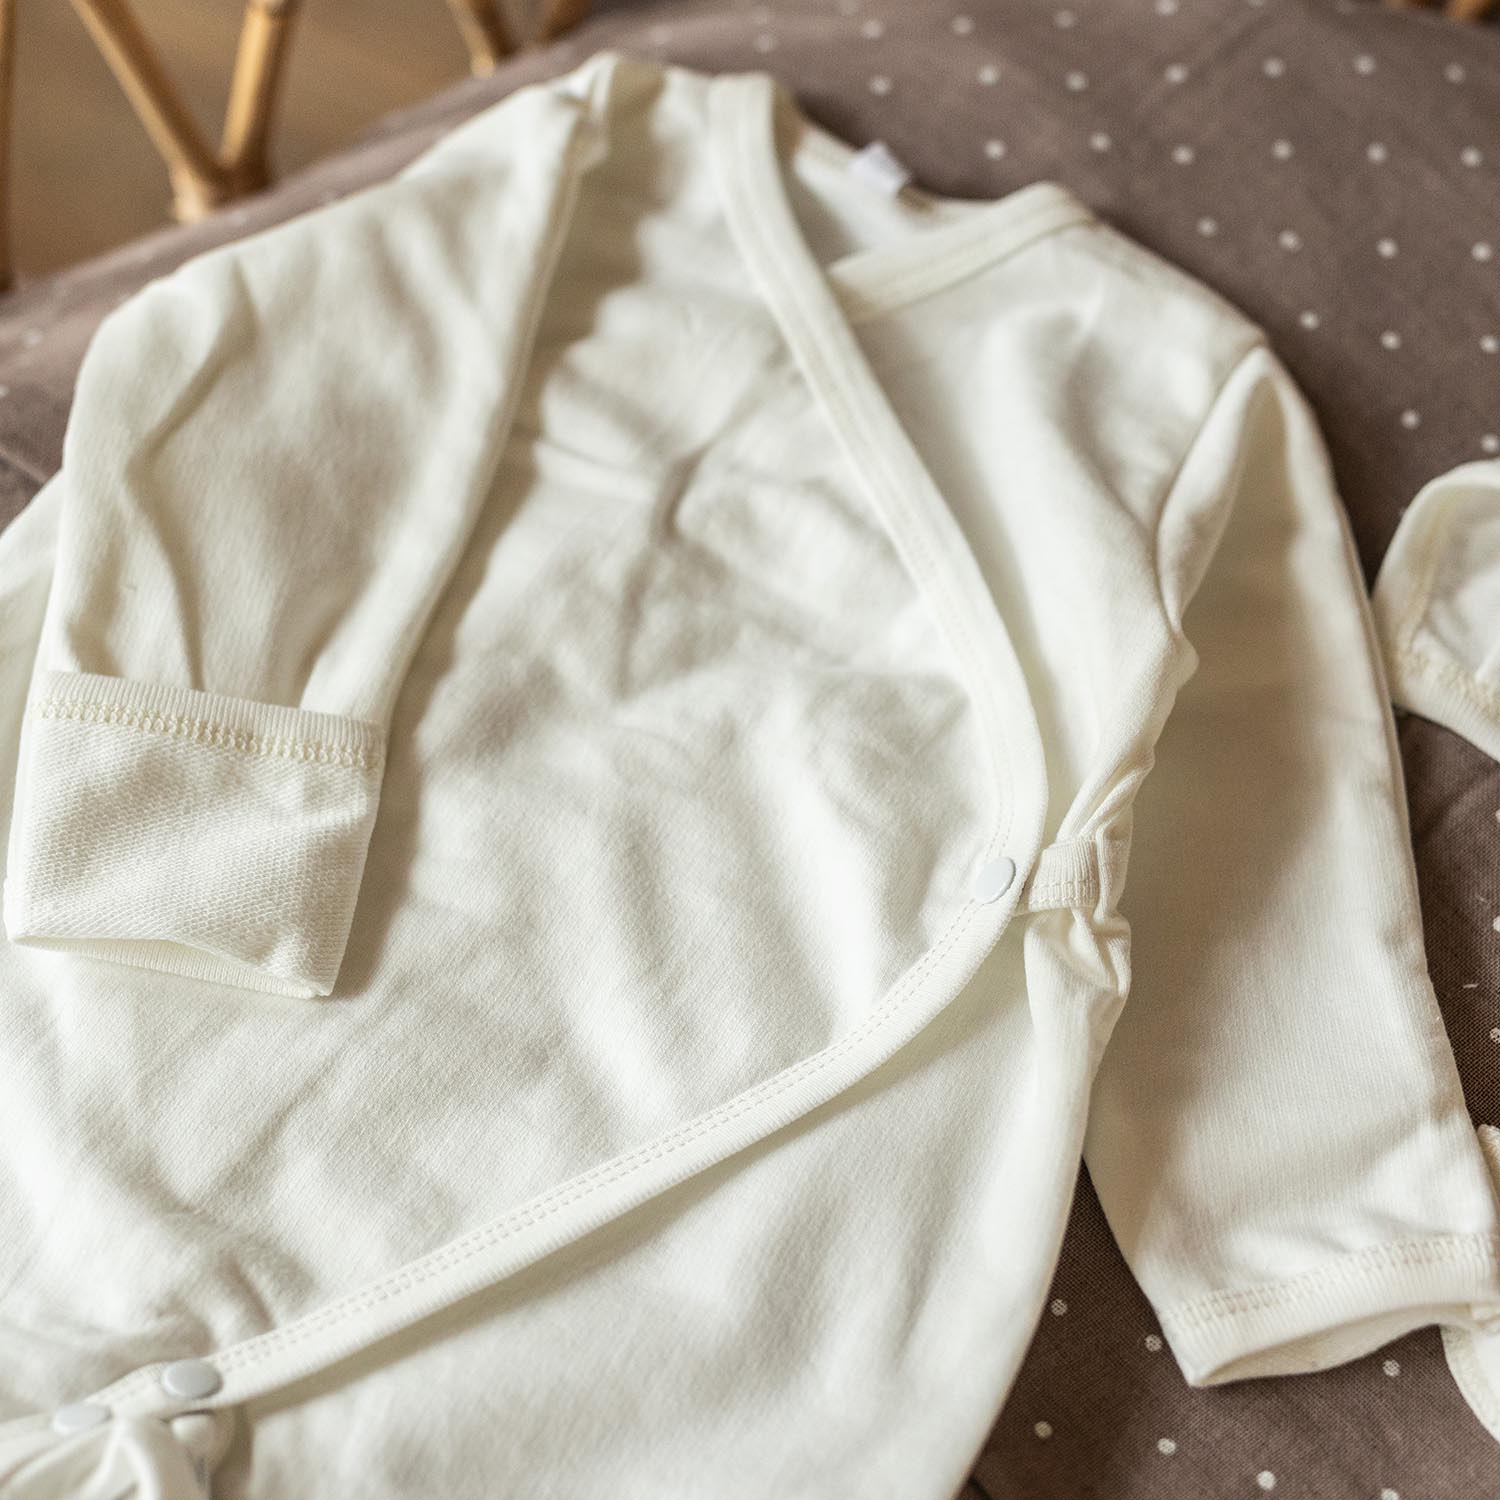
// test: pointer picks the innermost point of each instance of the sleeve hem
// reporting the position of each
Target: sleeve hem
(1424, 674)
(1337, 1312)
(1465, 1353)
(175, 958)
(214, 719)
(1443, 692)
(188, 832)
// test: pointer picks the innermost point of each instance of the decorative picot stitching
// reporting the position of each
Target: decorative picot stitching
(204, 732)
(1397, 1254)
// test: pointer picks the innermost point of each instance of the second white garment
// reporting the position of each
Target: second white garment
(623, 748)
(1437, 613)
(1437, 604)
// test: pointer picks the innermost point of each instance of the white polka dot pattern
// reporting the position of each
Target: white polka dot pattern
(1265, 146)
(1272, 65)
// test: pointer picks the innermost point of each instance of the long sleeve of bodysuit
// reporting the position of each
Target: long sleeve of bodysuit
(1277, 1132)
(274, 459)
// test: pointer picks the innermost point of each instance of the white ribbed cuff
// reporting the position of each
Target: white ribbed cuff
(190, 832)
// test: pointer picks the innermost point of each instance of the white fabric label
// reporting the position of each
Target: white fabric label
(877, 166)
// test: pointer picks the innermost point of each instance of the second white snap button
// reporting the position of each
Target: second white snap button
(79, 1416)
(992, 880)
(191, 1379)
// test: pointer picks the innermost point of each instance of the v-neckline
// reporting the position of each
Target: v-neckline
(808, 302)
(964, 236)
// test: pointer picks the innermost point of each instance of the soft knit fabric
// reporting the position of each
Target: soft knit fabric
(624, 747)
(1437, 612)
(1437, 604)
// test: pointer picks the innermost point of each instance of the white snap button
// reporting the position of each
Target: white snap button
(191, 1379)
(79, 1416)
(992, 880)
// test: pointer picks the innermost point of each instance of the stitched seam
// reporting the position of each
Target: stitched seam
(1426, 545)
(602, 1176)
(962, 263)
(456, 1252)
(953, 619)
(1217, 1306)
(200, 731)
(447, 1257)
(1472, 1381)
(1472, 691)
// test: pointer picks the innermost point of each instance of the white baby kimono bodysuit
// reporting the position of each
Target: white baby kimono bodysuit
(1437, 616)
(576, 722)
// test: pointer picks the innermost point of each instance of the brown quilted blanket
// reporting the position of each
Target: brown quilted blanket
(1334, 170)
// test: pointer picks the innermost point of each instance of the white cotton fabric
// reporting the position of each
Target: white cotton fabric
(266, 903)
(1437, 604)
(1437, 610)
(1473, 1353)
(865, 699)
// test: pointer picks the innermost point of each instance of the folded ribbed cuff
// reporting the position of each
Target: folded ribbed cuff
(1342, 1309)
(190, 832)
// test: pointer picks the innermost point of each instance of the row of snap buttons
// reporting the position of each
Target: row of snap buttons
(186, 1379)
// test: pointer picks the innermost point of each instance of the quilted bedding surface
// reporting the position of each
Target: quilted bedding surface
(1335, 170)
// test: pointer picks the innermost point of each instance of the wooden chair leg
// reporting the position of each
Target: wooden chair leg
(558, 16)
(484, 31)
(7, 78)
(197, 182)
(201, 180)
(259, 62)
